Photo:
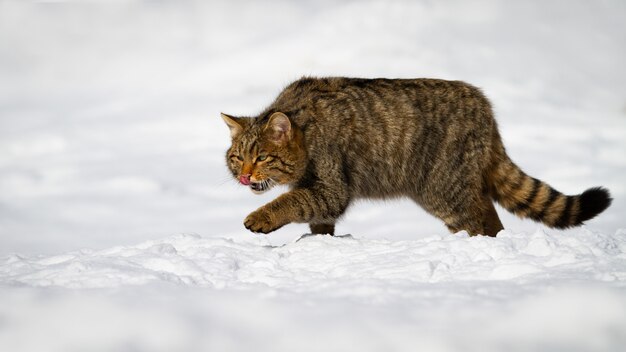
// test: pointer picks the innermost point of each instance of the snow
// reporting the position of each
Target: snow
(185, 292)
(224, 263)
(120, 228)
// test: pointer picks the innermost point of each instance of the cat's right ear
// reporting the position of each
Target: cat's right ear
(233, 123)
(278, 128)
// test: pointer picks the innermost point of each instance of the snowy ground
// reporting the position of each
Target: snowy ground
(518, 292)
(121, 230)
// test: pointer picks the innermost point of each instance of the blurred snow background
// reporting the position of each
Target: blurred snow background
(110, 136)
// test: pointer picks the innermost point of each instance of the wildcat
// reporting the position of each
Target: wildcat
(334, 140)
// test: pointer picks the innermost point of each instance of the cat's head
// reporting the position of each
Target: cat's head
(265, 152)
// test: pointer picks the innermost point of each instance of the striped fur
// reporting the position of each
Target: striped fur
(528, 197)
(334, 140)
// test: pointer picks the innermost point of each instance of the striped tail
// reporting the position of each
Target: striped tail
(528, 197)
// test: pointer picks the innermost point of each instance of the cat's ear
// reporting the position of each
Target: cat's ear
(235, 124)
(278, 128)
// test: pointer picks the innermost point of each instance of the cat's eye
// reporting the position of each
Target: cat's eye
(261, 157)
(239, 157)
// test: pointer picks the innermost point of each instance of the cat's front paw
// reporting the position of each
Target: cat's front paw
(262, 221)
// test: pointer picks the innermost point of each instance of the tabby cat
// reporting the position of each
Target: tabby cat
(334, 140)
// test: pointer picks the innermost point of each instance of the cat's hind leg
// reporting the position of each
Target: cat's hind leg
(461, 207)
(472, 224)
(491, 221)
(477, 217)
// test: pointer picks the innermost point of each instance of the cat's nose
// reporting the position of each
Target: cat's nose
(245, 179)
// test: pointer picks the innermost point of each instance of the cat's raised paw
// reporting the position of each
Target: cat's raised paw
(260, 221)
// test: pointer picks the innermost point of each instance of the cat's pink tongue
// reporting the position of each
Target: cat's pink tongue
(245, 180)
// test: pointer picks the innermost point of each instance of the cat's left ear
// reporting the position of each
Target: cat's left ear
(278, 128)
(233, 123)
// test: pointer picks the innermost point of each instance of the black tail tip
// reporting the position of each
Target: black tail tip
(592, 202)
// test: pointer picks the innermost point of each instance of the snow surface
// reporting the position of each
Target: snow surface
(517, 292)
(120, 228)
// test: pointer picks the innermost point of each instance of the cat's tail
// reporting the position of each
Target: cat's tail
(529, 197)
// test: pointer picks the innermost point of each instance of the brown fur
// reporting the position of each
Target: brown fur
(334, 140)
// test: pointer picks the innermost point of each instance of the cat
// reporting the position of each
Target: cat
(334, 140)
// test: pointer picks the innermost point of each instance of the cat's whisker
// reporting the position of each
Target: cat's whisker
(223, 180)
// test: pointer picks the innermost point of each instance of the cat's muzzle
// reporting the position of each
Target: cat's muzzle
(262, 186)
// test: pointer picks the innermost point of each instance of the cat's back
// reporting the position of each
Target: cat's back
(342, 98)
